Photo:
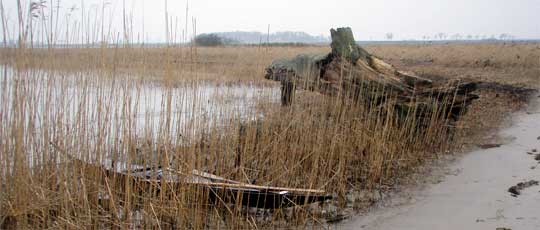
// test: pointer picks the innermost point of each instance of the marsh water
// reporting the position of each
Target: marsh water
(144, 100)
(91, 107)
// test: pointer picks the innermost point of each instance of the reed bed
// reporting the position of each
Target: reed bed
(222, 65)
(189, 107)
(238, 132)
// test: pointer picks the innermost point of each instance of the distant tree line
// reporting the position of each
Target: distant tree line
(245, 37)
(458, 36)
(213, 40)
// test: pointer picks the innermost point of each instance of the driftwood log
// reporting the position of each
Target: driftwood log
(352, 72)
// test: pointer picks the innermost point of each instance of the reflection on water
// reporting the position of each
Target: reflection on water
(100, 108)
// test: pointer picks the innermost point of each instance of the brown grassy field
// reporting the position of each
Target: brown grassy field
(87, 102)
(511, 63)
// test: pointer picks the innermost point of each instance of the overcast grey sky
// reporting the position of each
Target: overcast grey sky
(371, 19)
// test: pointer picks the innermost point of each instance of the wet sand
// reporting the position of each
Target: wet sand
(476, 196)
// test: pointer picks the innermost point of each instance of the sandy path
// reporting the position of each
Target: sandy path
(477, 197)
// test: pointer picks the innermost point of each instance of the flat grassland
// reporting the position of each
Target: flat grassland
(512, 63)
(97, 103)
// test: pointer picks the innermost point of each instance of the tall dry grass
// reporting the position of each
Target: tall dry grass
(241, 64)
(103, 115)
(188, 108)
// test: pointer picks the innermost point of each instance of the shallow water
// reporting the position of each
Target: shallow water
(87, 109)
(477, 196)
(145, 101)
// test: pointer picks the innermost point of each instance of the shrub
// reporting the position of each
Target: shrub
(209, 40)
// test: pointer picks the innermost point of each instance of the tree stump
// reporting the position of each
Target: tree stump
(350, 71)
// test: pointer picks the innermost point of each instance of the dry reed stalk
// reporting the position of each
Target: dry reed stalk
(101, 105)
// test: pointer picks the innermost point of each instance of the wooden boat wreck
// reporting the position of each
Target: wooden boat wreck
(108, 182)
(218, 189)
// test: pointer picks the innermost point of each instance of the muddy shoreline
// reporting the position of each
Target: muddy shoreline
(468, 191)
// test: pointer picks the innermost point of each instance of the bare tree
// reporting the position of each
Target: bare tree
(505, 36)
(441, 36)
(389, 36)
(456, 36)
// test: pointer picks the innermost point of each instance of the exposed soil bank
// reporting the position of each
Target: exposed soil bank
(477, 196)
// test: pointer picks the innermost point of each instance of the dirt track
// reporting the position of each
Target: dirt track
(477, 196)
